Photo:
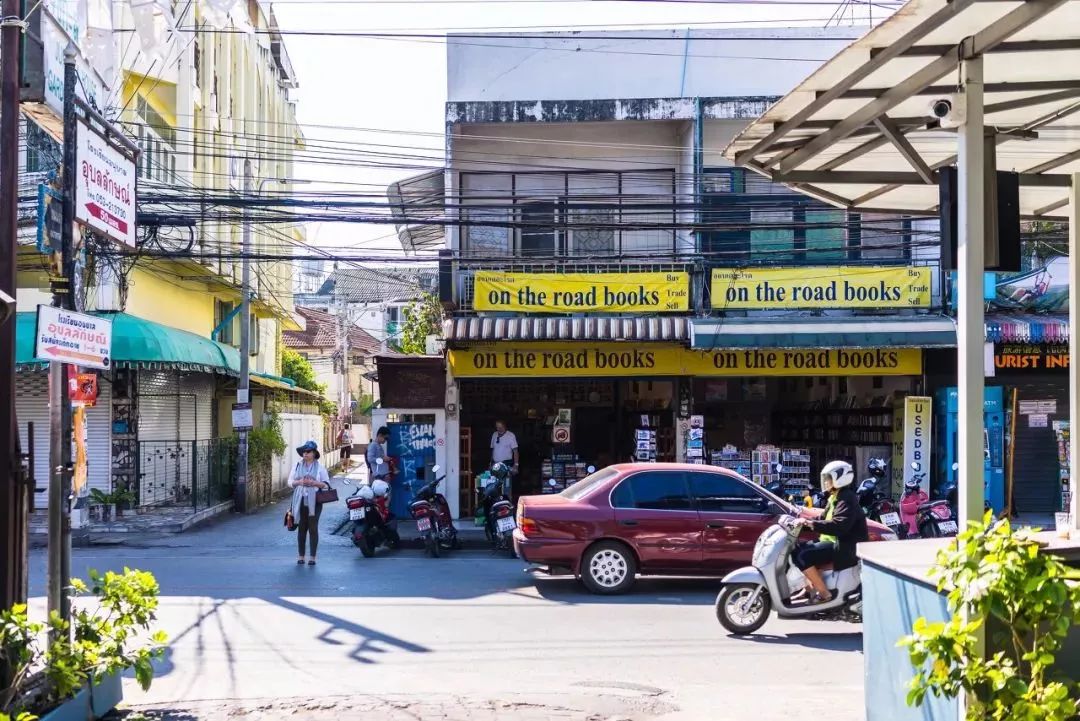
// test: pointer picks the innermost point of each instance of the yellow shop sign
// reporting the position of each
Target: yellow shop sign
(582, 292)
(820, 287)
(558, 360)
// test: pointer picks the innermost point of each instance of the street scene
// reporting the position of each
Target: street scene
(605, 360)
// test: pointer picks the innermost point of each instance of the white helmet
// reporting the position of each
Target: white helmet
(380, 487)
(366, 493)
(836, 475)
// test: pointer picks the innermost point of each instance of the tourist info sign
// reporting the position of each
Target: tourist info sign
(68, 337)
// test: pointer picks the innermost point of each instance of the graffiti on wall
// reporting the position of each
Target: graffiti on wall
(413, 445)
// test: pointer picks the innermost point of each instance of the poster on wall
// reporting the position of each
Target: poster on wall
(1043, 284)
(916, 440)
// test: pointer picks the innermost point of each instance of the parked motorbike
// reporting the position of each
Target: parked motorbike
(877, 504)
(369, 511)
(431, 511)
(925, 518)
(749, 595)
(499, 523)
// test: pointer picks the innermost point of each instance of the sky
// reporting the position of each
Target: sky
(399, 86)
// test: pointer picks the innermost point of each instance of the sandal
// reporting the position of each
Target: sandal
(300, 562)
(311, 562)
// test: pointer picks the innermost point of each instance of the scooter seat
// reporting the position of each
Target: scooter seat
(932, 504)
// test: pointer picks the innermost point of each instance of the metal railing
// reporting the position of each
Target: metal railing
(197, 474)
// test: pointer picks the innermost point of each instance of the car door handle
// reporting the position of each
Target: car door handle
(627, 523)
(717, 524)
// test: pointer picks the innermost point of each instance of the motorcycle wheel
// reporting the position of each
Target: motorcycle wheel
(393, 539)
(735, 621)
(431, 545)
(508, 539)
(364, 545)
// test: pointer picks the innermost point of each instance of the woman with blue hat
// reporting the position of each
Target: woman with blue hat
(307, 479)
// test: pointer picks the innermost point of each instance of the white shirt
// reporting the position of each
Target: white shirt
(503, 447)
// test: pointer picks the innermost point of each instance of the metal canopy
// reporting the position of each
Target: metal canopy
(858, 133)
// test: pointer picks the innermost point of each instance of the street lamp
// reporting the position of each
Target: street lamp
(243, 386)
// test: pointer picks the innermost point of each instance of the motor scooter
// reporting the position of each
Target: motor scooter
(499, 523)
(369, 511)
(931, 518)
(431, 511)
(750, 594)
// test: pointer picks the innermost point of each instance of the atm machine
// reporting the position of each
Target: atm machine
(945, 441)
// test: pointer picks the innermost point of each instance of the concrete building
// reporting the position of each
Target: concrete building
(615, 280)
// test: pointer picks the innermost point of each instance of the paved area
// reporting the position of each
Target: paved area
(469, 636)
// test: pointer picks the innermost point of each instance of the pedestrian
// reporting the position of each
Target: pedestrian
(346, 442)
(376, 452)
(504, 447)
(306, 480)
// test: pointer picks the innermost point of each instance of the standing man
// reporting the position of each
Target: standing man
(346, 443)
(504, 447)
(376, 451)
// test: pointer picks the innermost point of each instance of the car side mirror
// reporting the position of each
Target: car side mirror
(773, 509)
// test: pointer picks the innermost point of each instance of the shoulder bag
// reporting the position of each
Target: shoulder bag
(328, 496)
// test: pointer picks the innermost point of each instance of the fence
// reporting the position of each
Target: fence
(197, 474)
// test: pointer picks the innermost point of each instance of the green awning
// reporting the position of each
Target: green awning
(140, 343)
(928, 331)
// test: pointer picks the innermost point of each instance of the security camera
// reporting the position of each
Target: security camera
(949, 112)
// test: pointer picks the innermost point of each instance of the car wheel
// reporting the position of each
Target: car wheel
(734, 617)
(608, 568)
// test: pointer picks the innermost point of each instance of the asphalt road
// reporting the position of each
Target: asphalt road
(467, 636)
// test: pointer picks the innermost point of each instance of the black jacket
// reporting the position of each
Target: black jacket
(848, 524)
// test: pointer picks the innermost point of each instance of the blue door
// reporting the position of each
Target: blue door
(412, 445)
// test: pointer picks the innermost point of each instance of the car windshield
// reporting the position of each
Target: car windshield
(586, 484)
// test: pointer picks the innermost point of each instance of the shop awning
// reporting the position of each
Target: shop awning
(928, 332)
(140, 343)
(545, 329)
(1001, 328)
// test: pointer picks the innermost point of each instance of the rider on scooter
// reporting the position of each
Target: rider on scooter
(843, 519)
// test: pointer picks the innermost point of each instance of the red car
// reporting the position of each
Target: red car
(650, 518)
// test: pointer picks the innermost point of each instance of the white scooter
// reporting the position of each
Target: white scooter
(751, 593)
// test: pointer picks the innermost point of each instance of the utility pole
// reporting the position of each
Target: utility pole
(59, 573)
(13, 491)
(243, 386)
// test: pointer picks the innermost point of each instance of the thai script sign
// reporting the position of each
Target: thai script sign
(68, 337)
(582, 292)
(104, 187)
(820, 287)
(601, 359)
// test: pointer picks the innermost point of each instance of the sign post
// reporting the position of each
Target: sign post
(68, 337)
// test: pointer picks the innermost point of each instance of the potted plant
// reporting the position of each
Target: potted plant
(124, 500)
(101, 506)
(81, 662)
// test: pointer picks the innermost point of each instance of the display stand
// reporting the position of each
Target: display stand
(1061, 434)
(645, 440)
(563, 469)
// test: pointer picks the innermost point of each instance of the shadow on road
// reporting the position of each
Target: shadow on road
(849, 641)
(647, 591)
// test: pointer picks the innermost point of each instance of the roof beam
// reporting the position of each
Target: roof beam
(935, 21)
(1031, 100)
(856, 177)
(1020, 87)
(1052, 207)
(1055, 163)
(859, 150)
(895, 134)
(983, 41)
(1022, 46)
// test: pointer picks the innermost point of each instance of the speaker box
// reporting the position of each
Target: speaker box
(1002, 251)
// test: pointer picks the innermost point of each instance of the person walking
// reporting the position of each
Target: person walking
(346, 444)
(307, 479)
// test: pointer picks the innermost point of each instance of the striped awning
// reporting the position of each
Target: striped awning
(1027, 328)
(877, 332)
(545, 329)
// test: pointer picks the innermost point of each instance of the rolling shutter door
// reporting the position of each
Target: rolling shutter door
(99, 438)
(157, 407)
(1036, 485)
(32, 406)
(196, 407)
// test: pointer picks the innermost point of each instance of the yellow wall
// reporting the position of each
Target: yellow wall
(166, 301)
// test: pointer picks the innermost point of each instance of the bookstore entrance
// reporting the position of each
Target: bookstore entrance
(563, 426)
(787, 428)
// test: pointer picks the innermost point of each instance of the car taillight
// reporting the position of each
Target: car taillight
(527, 525)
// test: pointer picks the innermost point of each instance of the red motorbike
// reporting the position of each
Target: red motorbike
(431, 511)
(373, 524)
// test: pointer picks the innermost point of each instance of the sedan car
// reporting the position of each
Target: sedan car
(650, 518)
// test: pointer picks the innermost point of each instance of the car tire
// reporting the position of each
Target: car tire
(608, 568)
(762, 608)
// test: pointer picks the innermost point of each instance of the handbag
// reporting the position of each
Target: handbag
(327, 496)
(290, 522)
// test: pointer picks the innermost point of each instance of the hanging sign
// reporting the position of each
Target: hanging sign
(69, 337)
(581, 292)
(820, 287)
(600, 359)
(1031, 358)
(104, 187)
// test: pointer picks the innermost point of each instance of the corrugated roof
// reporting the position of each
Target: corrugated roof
(592, 328)
(372, 285)
(857, 134)
(321, 332)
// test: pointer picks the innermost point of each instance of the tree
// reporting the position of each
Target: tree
(298, 368)
(422, 318)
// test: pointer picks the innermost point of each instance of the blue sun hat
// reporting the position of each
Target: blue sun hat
(309, 446)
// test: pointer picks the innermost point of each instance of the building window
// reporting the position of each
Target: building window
(585, 235)
(772, 234)
(222, 309)
(825, 236)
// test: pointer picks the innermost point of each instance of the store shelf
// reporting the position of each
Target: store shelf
(839, 426)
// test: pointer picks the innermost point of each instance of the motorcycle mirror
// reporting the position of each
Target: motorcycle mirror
(591, 469)
(551, 482)
(915, 466)
(435, 469)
